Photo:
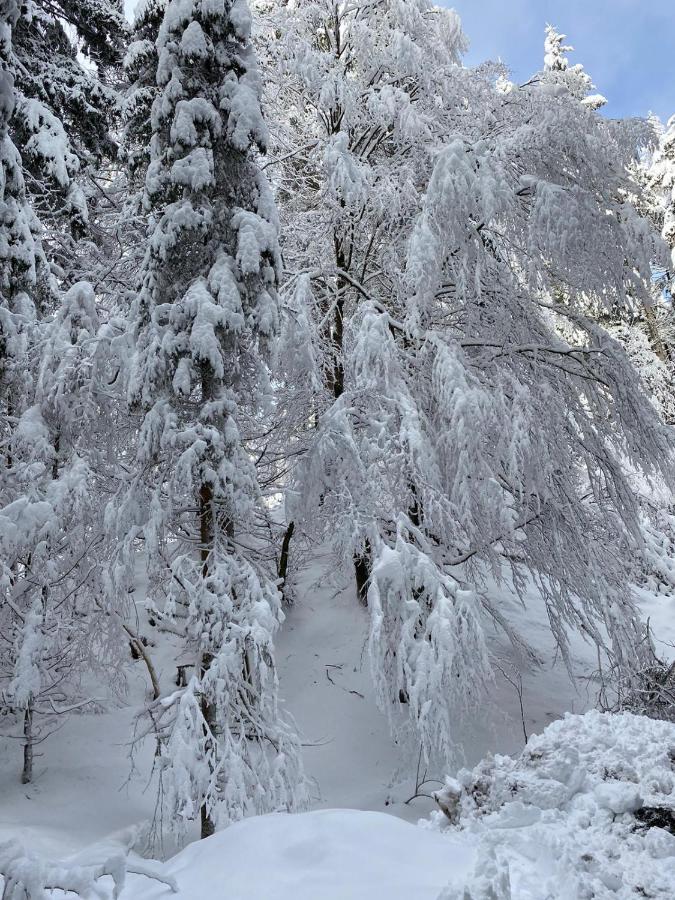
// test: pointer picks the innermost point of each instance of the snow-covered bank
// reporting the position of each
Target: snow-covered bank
(323, 855)
(585, 812)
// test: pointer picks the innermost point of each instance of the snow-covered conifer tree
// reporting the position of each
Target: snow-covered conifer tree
(554, 51)
(661, 179)
(558, 70)
(63, 115)
(140, 67)
(204, 316)
(123, 211)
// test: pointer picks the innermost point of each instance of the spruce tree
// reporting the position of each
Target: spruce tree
(65, 59)
(140, 71)
(204, 317)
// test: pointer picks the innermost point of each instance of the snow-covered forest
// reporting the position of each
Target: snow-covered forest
(337, 454)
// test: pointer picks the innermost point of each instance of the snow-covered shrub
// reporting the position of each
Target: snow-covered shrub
(587, 810)
(647, 687)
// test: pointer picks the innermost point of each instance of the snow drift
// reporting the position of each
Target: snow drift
(587, 810)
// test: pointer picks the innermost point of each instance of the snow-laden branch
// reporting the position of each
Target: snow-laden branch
(26, 876)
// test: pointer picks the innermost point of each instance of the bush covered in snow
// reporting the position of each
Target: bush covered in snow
(586, 811)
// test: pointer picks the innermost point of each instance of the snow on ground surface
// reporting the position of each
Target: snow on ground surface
(84, 787)
(563, 820)
(323, 855)
(84, 790)
(348, 753)
(569, 818)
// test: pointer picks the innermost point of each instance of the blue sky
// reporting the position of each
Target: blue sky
(626, 46)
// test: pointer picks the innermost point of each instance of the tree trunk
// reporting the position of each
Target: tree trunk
(337, 375)
(282, 571)
(27, 772)
(362, 566)
(55, 462)
(415, 508)
(654, 336)
(138, 651)
(208, 826)
(206, 543)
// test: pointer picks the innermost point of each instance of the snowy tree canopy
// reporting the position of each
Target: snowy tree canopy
(662, 180)
(465, 437)
(64, 59)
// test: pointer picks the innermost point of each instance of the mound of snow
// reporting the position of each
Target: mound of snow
(324, 855)
(570, 818)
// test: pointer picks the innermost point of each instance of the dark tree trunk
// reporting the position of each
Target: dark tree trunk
(337, 376)
(27, 772)
(283, 560)
(206, 541)
(208, 826)
(658, 345)
(362, 567)
(335, 373)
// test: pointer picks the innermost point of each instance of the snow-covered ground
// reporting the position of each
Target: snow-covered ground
(564, 820)
(570, 818)
(323, 855)
(85, 789)
(348, 753)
